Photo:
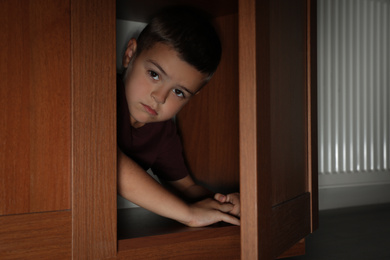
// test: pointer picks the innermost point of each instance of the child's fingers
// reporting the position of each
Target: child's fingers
(225, 207)
(220, 197)
(230, 219)
(233, 198)
(210, 211)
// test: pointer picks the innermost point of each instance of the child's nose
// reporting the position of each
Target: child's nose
(160, 95)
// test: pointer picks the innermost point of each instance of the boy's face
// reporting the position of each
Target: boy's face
(158, 84)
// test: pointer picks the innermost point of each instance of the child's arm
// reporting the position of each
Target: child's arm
(137, 186)
(194, 192)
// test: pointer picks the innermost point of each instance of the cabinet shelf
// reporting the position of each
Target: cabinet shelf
(139, 229)
(139, 222)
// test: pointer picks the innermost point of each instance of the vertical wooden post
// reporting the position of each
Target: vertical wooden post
(93, 129)
(254, 138)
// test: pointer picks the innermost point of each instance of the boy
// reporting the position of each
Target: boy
(174, 57)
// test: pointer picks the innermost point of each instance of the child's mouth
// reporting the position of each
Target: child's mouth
(150, 110)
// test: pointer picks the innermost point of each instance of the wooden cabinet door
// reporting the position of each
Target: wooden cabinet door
(277, 125)
(35, 129)
(34, 106)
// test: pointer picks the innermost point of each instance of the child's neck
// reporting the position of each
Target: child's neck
(135, 124)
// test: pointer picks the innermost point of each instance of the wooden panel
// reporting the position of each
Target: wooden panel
(143, 10)
(288, 99)
(209, 122)
(94, 129)
(14, 112)
(145, 235)
(208, 243)
(275, 133)
(50, 105)
(36, 236)
(34, 106)
(254, 129)
(290, 223)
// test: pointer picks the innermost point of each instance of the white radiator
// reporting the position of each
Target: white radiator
(354, 86)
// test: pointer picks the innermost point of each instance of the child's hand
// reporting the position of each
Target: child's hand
(210, 211)
(232, 198)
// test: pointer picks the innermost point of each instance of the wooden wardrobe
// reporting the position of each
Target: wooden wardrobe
(252, 129)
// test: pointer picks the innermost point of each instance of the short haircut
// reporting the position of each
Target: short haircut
(189, 32)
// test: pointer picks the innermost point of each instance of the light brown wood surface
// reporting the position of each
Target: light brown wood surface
(93, 129)
(276, 140)
(150, 236)
(251, 163)
(35, 106)
(209, 123)
(36, 236)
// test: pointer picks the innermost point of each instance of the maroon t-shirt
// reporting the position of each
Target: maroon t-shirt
(155, 145)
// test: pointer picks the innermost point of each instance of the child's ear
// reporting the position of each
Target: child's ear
(129, 53)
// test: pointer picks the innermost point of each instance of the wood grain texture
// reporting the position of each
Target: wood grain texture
(35, 106)
(274, 125)
(290, 223)
(254, 133)
(14, 112)
(288, 88)
(94, 129)
(210, 243)
(50, 112)
(142, 11)
(36, 236)
(209, 122)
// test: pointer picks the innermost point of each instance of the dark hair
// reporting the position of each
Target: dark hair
(189, 32)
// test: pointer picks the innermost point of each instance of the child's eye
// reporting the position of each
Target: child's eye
(154, 75)
(178, 93)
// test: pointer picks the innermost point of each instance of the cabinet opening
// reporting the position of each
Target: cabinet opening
(208, 126)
